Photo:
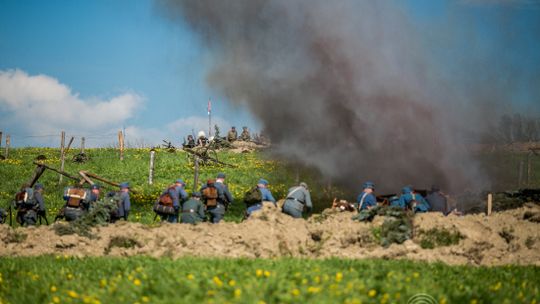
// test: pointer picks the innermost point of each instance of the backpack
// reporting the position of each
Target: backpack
(210, 195)
(25, 198)
(253, 196)
(165, 199)
(74, 197)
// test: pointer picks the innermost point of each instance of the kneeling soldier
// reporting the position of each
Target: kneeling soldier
(193, 210)
(298, 199)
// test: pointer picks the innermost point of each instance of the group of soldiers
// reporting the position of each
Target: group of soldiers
(202, 140)
(30, 204)
(210, 203)
(409, 199)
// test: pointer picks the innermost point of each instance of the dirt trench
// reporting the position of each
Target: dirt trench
(509, 237)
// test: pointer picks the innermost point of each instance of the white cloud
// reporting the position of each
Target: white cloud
(41, 104)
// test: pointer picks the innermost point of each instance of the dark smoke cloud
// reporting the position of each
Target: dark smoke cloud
(345, 86)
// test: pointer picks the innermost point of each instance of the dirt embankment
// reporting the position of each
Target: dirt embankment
(510, 237)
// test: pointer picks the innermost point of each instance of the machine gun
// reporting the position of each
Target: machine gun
(206, 154)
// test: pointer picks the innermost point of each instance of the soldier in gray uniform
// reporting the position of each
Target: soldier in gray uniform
(298, 199)
(193, 210)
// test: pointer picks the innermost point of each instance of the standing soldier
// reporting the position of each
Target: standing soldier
(224, 195)
(201, 139)
(232, 135)
(193, 210)
(124, 206)
(190, 142)
(366, 199)
(297, 198)
(411, 200)
(245, 136)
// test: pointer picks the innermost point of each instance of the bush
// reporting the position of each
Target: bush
(438, 237)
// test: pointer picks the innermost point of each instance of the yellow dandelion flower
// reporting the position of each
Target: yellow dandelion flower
(190, 277)
(137, 282)
(259, 273)
(73, 294)
(56, 299)
(217, 281)
(232, 283)
(266, 273)
(210, 293)
(53, 288)
(237, 293)
(69, 276)
(313, 289)
(295, 292)
(372, 293)
(102, 283)
(339, 276)
(416, 275)
(145, 299)
(87, 300)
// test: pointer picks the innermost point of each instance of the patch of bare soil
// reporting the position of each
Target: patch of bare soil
(509, 237)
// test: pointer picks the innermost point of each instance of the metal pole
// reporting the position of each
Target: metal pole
(151, 173)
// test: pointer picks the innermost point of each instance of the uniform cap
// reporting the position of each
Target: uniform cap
(369, 185)
(262, 181)
(406, 189)
(180, 181)
(124, 185)
(302, 184)
(221, 175)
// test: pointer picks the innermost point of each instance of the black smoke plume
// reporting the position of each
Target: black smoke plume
(346, 86)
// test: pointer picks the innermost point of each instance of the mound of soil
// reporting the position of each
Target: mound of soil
(509, 237)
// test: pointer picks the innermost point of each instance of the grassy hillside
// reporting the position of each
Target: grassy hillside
(195, 280)
(134, 168)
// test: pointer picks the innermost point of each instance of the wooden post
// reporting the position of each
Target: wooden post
(1, 139)
(520, 174)
(121, 144)
(489, 203)
(62, 143)
(82, 145)
(8, 143)
(63, 157)
(196, 174)
(529, 168)
(151, 173)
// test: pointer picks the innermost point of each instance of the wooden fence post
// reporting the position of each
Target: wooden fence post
(82, 145)
(63, 157)
(8, 143)
(489, 203)
(121, 144)
(196, 174)
(1, 140)
(151, 173)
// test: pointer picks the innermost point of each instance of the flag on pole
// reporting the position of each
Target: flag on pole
(209, 106)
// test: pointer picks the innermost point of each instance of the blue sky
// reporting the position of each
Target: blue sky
(101, 49)
(122, 61)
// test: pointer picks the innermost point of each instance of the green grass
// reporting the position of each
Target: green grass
(168, 167)
(194, 280)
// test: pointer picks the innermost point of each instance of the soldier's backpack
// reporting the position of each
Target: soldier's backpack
(164, 204)
(210, 195)
(165, 199)
(412, 203)
(253, 196)
(74, 197)
(25, 198)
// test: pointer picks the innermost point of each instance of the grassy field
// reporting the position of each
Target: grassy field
(501, 166)
(193, 280)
